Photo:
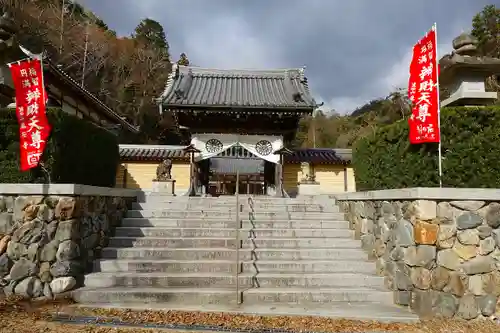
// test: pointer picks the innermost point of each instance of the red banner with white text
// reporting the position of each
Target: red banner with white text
(423, 91)
(34, 128)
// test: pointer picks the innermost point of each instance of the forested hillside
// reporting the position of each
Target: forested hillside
(128, 72)
(125, 72)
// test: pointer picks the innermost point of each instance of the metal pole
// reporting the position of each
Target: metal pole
(440, 156)
(237, 228)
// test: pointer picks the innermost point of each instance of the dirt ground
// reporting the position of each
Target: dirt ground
(21, 316)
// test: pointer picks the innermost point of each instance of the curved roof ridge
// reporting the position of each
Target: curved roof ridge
(240, 71)
(170, 82)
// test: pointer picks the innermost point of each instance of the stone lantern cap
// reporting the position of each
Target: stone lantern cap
(464, 72)
(465, 59)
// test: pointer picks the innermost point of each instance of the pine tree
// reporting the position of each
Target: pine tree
(486, 28)
(151, 33)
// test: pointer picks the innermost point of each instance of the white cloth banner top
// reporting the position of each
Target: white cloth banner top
(262, 146)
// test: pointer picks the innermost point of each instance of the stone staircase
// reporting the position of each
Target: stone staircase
(295, 256)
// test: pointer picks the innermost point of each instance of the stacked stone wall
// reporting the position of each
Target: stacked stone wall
(48, 242)
(441, 257)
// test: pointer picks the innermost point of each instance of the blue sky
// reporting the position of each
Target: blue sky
(353, 51)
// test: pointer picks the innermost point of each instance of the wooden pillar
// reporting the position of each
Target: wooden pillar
(279, 177)
(346, 186)
(192, 180)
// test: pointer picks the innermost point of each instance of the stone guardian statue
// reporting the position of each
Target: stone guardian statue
(164, 171)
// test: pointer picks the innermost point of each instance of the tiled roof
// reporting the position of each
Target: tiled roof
(267, 89)
(151, 152)
(320, 156)
(160, 152)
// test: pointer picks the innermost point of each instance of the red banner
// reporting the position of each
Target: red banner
(423, 91)
(34, 128)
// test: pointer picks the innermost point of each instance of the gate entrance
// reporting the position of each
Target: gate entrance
(224, 173)
(219, 175)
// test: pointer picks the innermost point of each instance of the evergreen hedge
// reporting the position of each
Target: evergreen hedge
(77, 152)
(470, 150)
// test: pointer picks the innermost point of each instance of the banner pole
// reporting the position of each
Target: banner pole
(17, 61)
(440, 157)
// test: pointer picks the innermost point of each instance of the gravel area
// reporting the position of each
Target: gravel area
(21, 316)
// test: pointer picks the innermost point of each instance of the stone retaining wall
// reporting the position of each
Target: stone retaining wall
(50, 234)
(438, 249)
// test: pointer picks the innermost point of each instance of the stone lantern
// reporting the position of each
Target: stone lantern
(464, 72)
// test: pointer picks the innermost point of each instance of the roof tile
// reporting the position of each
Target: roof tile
(312, 155)
(151, 154)
(320, 156)
(193, 86)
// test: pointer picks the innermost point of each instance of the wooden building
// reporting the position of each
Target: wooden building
(332, 168)
(237, 120)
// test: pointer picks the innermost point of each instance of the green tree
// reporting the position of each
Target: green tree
(486, 28)
(151, 33)
(183, 60)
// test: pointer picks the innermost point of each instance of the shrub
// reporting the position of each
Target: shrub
(471, 157)
(77, 152)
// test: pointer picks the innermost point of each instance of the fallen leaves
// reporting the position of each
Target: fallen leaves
(18, 315)
(290, 323)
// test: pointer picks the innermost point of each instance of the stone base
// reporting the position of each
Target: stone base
(166, 187)
(470, 98)
(309, 188)
(271, 190)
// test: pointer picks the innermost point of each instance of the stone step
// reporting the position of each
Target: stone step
(365, 311)
(176, 242)
(310, 266)
(218, 280)
(165, 213)
(232, 199)
(231, 223)
(304, 296)
(165, 266)
(292, 243)
(233, 207)
(172, 243)
(157, 253)
(185, 296)
(164, 280)
(225, 232)
(228, 266)
(201, 296)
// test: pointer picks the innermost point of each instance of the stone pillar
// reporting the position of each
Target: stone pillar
(165, 187)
